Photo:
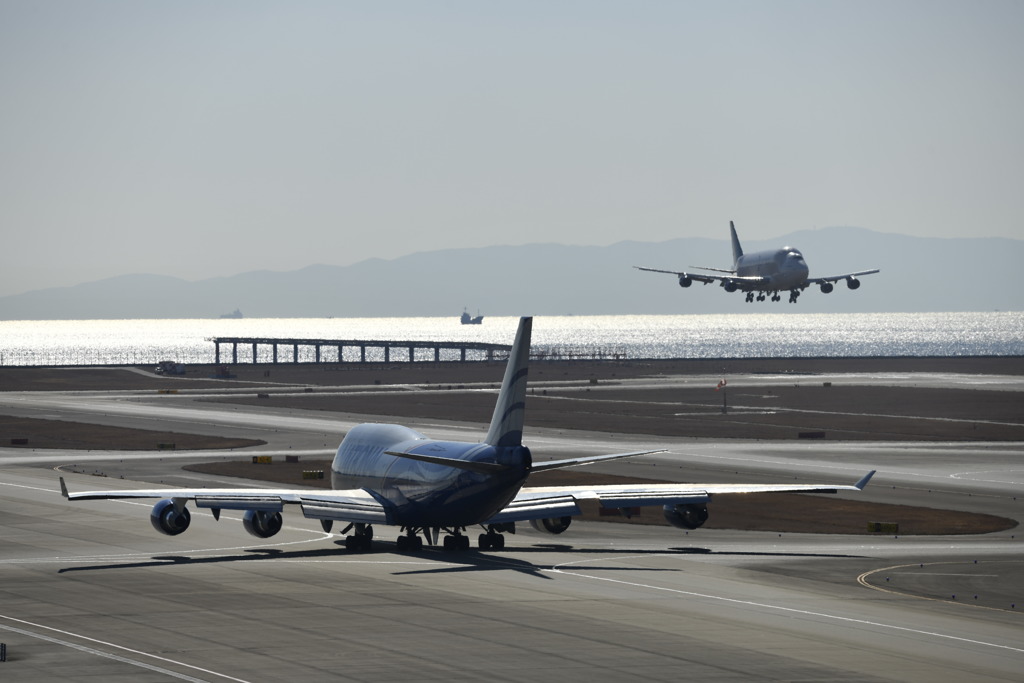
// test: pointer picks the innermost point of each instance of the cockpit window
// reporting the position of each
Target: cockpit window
(788, 254)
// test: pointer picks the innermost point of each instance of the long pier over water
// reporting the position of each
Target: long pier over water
(278, 350)
(333, 350)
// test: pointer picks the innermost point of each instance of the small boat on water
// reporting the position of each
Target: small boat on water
(234, 314)
(467, 319)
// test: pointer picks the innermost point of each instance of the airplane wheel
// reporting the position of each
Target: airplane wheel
(498, 542)
(484, 541)
(403, 543)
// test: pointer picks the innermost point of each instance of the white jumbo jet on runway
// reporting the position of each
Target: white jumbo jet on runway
(764, 272)
(386, 474)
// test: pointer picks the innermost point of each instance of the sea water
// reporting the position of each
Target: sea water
(142, 342)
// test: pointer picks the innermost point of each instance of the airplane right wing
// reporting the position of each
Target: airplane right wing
(558, 501)
(706, 279)
(355, 505)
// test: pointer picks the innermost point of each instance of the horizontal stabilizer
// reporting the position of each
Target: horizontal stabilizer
(575, 462)
(472, 466)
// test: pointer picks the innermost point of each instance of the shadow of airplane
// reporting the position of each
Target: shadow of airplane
(471, 560)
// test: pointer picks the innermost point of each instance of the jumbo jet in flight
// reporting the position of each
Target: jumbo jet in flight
(386, 474)
(764, 272)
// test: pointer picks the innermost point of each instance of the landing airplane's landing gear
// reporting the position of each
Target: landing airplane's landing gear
(776, 297)
(760, 296)
(361, 540)
(794, 294)
(750, 297)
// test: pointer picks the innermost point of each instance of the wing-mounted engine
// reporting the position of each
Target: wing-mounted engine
(826, 287)
(686, 515)
(551, 525)
(852, 283)
(685, 280)
(169, 517)
(262, 523)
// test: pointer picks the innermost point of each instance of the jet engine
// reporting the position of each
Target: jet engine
(852, 282)
(730, 286)
(686, 515)
(826, 287)
(262, 523)
(685, 281)
(551, 525)
(167, 520)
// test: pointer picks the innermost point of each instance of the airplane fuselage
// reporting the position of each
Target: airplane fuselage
(783, 268)
(426, 494)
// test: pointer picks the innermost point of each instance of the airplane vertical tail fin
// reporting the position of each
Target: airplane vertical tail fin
(507, 423)
(737, 250)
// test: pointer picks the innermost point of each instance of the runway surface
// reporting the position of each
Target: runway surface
(89, 591)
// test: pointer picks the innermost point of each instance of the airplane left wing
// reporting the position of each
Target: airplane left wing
(837, 278)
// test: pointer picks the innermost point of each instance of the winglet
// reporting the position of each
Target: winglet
(864, 480)
(64, 489)
(507, 422)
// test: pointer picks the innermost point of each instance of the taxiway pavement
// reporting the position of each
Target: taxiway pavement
(89, 591)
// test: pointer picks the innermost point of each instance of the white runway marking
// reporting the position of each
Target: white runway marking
(790, 610)
(110, 655)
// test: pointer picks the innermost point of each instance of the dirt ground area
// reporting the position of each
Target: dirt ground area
(31, 433)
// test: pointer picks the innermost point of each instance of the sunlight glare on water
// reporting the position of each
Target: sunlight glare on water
(143, 342)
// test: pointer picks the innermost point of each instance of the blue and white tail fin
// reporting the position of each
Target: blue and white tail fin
(507, 423)
(737, 250)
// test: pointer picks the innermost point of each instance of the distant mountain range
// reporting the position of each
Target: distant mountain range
(918, 275)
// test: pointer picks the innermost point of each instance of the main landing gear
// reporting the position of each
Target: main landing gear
(412, 538)
(492, 540)
(361, 540)
(761, 296)
(456, 540)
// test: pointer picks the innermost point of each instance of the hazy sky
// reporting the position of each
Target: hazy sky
(198, 139)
